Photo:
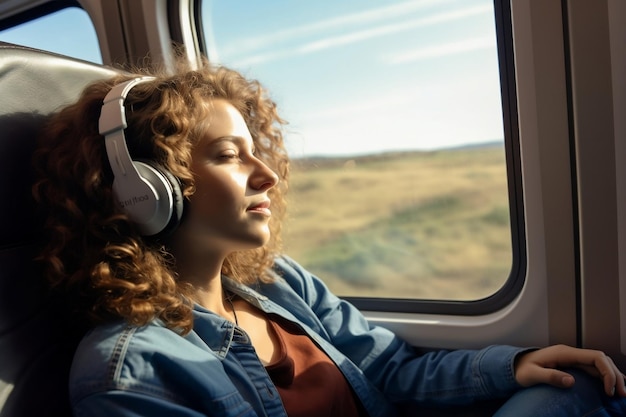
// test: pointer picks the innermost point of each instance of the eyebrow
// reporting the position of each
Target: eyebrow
(229, 138)
(238, 140)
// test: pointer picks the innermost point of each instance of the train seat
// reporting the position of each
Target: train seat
(35, 338)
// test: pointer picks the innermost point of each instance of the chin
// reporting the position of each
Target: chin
(257, 241)
(262, 242)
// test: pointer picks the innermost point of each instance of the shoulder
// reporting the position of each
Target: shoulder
(121, 357)
(111, 343)
(119, 369)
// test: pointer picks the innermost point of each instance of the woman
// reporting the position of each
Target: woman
(174, 257)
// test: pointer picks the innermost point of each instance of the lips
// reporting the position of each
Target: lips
(262, 207)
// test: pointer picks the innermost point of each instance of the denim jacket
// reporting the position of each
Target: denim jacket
(120, 370)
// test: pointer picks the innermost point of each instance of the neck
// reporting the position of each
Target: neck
(212, 296)
(205, 280)
(202, 269)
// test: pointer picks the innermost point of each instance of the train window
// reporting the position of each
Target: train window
(68, 31)
(400, 188)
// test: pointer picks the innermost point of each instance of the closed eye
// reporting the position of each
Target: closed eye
(228, 155)
(231, 148)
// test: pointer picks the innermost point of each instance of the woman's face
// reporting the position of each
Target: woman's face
(230, 209)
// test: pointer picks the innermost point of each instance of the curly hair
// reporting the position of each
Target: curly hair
(93, 252)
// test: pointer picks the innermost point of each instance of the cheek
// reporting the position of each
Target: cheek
(207, 209)
(209, 199)
(217, 190)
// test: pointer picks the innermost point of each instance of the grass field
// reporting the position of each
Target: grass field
(431, 225)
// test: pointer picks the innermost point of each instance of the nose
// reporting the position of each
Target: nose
(263, 178)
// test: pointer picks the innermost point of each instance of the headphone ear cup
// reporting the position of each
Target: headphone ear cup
(178, 200)
(167, 188)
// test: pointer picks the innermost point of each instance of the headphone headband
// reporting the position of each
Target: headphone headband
(113, 115)
(112, 124)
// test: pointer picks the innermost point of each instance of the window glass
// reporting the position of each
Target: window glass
(68, 32)
(399, 181)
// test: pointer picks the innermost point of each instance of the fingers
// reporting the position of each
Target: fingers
(604, 367)
(540, 366)
(613, 378)
(532, 375)
(621, 385)
(558, 378)
(594, 362)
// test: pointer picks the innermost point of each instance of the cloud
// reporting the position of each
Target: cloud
(275, 52)
(391, 28)
(435, 51)
(262, 41)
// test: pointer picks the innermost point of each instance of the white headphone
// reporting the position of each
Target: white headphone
(148, 194)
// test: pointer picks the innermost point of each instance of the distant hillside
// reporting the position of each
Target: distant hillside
(340, 160)
(404, 224)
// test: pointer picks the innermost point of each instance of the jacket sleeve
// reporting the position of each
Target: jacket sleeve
(403, 375)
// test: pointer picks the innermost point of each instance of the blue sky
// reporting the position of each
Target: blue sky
(351, 76)
(361, 76)
(68, 32)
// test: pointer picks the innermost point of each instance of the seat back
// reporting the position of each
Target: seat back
(36, 333)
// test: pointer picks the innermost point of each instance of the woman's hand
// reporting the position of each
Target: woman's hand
(539, 367)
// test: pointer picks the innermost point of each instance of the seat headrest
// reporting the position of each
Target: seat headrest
(34, 350)
(33, 84)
